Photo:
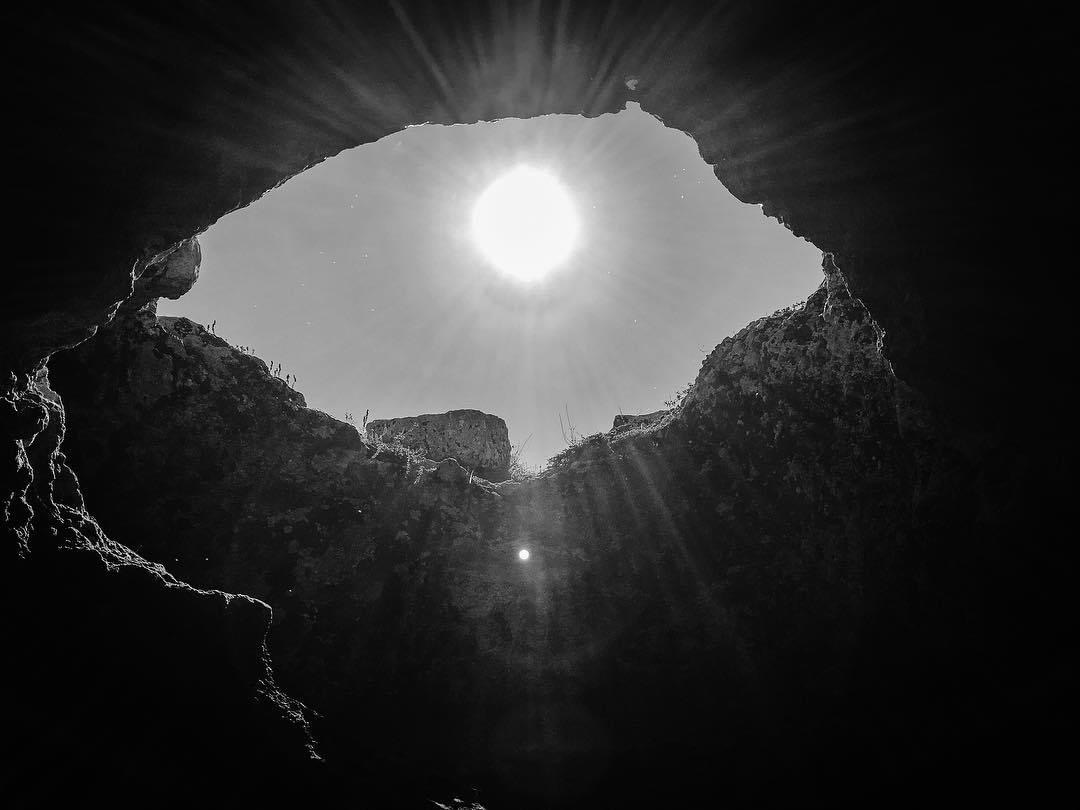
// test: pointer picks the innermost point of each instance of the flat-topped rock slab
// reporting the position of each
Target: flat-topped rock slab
(479, 441)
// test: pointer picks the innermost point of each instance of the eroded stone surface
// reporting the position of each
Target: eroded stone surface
(478, 441)
(167, 679)
(170, 276)
(761, 523)
(624, 421)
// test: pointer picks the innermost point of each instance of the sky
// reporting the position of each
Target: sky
(362, 277)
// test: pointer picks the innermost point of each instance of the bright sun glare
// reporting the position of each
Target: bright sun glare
(525, 223)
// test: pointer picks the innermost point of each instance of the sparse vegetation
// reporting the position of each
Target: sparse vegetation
(790, 308)
(392, 447)
(678, 396)
(518, 469)
(571, 436)
(570, 453)
(569, 433)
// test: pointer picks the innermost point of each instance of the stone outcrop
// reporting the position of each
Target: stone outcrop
(401, 606)
(171, 275)
(625, 421)
(478, 441)
(172, 680)
(166, 679)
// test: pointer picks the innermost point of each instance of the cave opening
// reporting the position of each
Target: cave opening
(472, 626)
(361, 282)
(828, 578)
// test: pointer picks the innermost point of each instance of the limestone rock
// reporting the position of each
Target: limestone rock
(102, 620)
(171, 275)
(450, 472)
(478, 441)
(396, 584)
(625, 421)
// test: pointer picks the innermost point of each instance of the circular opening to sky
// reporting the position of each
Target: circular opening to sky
(525, 223)
(554, 271)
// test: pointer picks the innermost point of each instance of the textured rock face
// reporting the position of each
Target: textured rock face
(624, 421)
(167, 680)
(170, 276)
(477, 440)
(702, 561)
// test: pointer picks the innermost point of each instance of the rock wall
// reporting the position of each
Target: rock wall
(625, 421)
(701, 560)
(478, 441)
(122, 673)
(866, 130)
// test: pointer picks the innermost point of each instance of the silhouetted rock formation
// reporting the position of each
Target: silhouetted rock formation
(477, 440)
(173, 274)
(122, 670)
(401, 607)
(919, 144)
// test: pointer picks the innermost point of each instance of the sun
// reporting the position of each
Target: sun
(525, 223)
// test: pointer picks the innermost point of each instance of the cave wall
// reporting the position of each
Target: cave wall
(911, 141)
(874, 130)
(123, 679)
(716, 577)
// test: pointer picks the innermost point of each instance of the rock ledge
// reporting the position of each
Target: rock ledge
(478, 441)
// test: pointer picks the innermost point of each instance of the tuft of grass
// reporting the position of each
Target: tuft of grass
(392, 447)
(569, 432)
(790, 308)
(572, 452)
(519, 470)
(678, 396)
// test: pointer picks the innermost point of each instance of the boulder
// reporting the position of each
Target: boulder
(170, 275)
(625, 421)
(479, 441)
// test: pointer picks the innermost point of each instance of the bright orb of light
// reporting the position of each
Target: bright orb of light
(525, 223)
(523, 554)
